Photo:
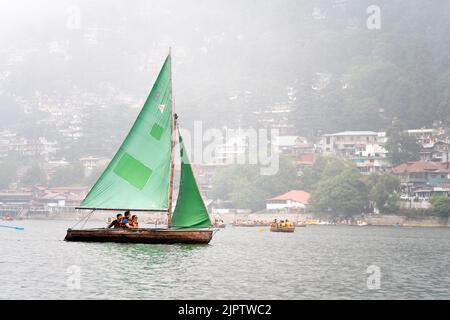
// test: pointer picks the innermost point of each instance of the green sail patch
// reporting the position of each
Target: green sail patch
(133, 171)
(156, 131)
(190, 210)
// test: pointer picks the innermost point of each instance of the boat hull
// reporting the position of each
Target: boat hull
(140, 235)
(292, 229)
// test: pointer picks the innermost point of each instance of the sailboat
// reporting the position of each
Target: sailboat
(140, 179)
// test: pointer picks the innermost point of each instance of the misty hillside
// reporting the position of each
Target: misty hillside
(231, 58)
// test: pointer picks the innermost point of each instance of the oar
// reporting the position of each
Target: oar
(11, 227)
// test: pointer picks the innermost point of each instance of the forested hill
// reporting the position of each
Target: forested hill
(234, 57)
(400, 71)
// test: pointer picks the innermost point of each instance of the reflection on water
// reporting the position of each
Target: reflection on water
(319, 262)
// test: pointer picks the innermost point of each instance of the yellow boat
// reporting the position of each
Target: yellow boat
(282, 229)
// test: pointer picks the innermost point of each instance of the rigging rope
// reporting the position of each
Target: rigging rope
(85, 219)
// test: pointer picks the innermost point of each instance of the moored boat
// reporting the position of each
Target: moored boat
(140, 179)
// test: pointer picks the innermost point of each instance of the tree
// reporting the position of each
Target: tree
(34, 175)
(10, 111)
(8, 172)
(247, 188)
(401, 147)
(95, 174)
(440, 206)
(323, 168)
(343, 195)
(68, 176)
(382, 191)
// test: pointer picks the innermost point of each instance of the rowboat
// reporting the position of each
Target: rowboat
(140, 179)
(282, 229)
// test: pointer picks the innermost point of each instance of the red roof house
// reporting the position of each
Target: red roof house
(306, 159)
(421, 166)
(423, 173)
(292, 200)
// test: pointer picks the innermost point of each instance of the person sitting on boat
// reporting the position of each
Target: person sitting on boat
(116, 223)
(274, 224)
(130, 222)
(126, 220)
(287, 224)
(134, 222)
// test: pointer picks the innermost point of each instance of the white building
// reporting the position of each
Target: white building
(90, 163)
(365, 148)
(347, 143)
(294, 200)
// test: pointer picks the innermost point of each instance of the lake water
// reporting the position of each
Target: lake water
(316, 262)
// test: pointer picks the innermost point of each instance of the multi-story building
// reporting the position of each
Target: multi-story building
(348, 143)
(424, 136)
(90, 163)
(13, 202)
(421, 174)
(233, 149)
(372, 164)
(4, 148)
(26, 148)
(295, 146)
(365, 148)
(425, 193)
(298, 148)
(276, 116)
(435, 151)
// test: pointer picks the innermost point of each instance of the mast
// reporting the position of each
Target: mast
(172, 145)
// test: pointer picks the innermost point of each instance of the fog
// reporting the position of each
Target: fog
(334, 65)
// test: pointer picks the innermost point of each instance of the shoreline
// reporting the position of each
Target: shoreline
(247, 219)
(407, 224)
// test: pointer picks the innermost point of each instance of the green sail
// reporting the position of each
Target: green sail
(190, 210)
(138, 175)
